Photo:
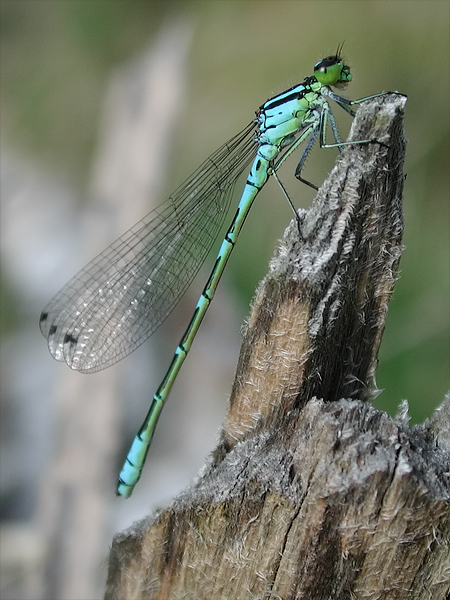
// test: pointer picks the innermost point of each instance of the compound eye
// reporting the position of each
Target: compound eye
(328, 71)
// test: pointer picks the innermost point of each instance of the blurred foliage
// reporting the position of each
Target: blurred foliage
(56, 59)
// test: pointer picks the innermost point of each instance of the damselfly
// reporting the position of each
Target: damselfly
(119, 299)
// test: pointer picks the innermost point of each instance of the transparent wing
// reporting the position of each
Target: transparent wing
(120, 298)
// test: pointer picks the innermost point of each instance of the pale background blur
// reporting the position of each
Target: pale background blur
(106, 108)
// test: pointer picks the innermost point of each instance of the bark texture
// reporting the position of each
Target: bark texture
(312, 493)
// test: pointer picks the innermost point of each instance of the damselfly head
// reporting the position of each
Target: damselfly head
(332, 71)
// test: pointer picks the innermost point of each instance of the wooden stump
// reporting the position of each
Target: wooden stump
(311, 492)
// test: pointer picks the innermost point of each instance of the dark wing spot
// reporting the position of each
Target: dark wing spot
(69, 339)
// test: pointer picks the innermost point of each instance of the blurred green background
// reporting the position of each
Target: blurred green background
(57, 58)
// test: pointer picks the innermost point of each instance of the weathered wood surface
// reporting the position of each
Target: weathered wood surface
(311, 492)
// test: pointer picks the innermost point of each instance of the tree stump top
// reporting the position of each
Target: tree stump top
(312, 493)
